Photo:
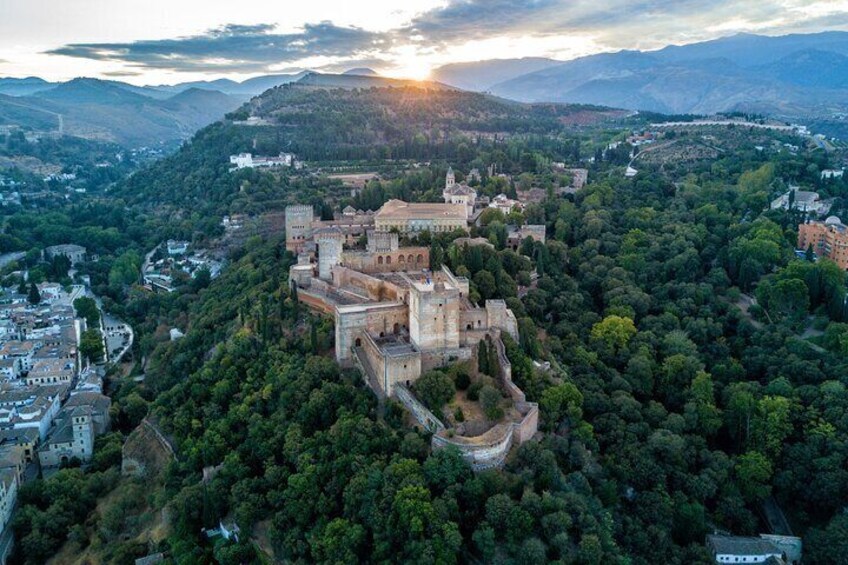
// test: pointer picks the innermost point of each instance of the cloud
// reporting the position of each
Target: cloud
(534, 27)
(118, 74)
(232, 48)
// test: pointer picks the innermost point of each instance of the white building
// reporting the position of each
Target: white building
(248, 161)
(735, 549)
(505, 204)
(832, 174)
(803, 200)
(177, 247)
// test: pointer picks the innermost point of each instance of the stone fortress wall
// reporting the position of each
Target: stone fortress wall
(395, 319)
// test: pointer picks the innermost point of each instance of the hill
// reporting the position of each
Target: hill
(329, 80)
(330, 123)
(482, 75)
(116, 112)
(250, 87)
(362, 71)
(23, 86)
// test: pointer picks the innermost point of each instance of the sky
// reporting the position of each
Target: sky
(169, 41)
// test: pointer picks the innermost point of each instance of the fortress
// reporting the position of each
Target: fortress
(396, 319)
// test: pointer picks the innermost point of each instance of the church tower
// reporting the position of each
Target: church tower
(450, 180)
(83, 433)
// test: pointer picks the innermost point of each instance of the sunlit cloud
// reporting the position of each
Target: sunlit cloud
(419, 35)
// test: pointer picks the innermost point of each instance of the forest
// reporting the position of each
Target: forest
(670, 410)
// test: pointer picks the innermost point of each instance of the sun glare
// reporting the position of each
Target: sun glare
(413, 68)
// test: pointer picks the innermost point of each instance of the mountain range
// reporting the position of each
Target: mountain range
(791, 75)
(802, 76)
(112, 111)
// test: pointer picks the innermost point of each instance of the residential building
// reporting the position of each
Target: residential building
(51, 371)
(832, 174)
(8, 496)
(505, 204)
(828, 239)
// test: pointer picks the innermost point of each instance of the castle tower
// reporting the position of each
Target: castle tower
(434, 316)
(450, 179)
(330, 241)
(299, 220)
(382, 241)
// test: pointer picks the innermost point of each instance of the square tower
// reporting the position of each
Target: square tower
(299, 220)
(382, 241)
(434, 316)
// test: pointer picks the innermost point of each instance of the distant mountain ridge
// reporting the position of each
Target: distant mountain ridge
(114, 111)
(482, 75)
(792, 75)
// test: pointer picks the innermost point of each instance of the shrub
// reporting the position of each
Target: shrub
(490, 399)
(473, 392)
(435, 389)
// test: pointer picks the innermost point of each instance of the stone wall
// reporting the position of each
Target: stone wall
(474, 319)
(380, 318)
(422, 415)
(373, 288)
(146, 452)
(403, 259)
(390, 368)
(502, 318)
(482, 452)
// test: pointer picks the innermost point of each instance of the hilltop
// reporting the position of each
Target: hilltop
(320, 121)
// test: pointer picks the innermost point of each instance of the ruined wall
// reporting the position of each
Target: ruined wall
(382, 241)
(474, 319)
(434, 359)
(529, 425)
(146, 452)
